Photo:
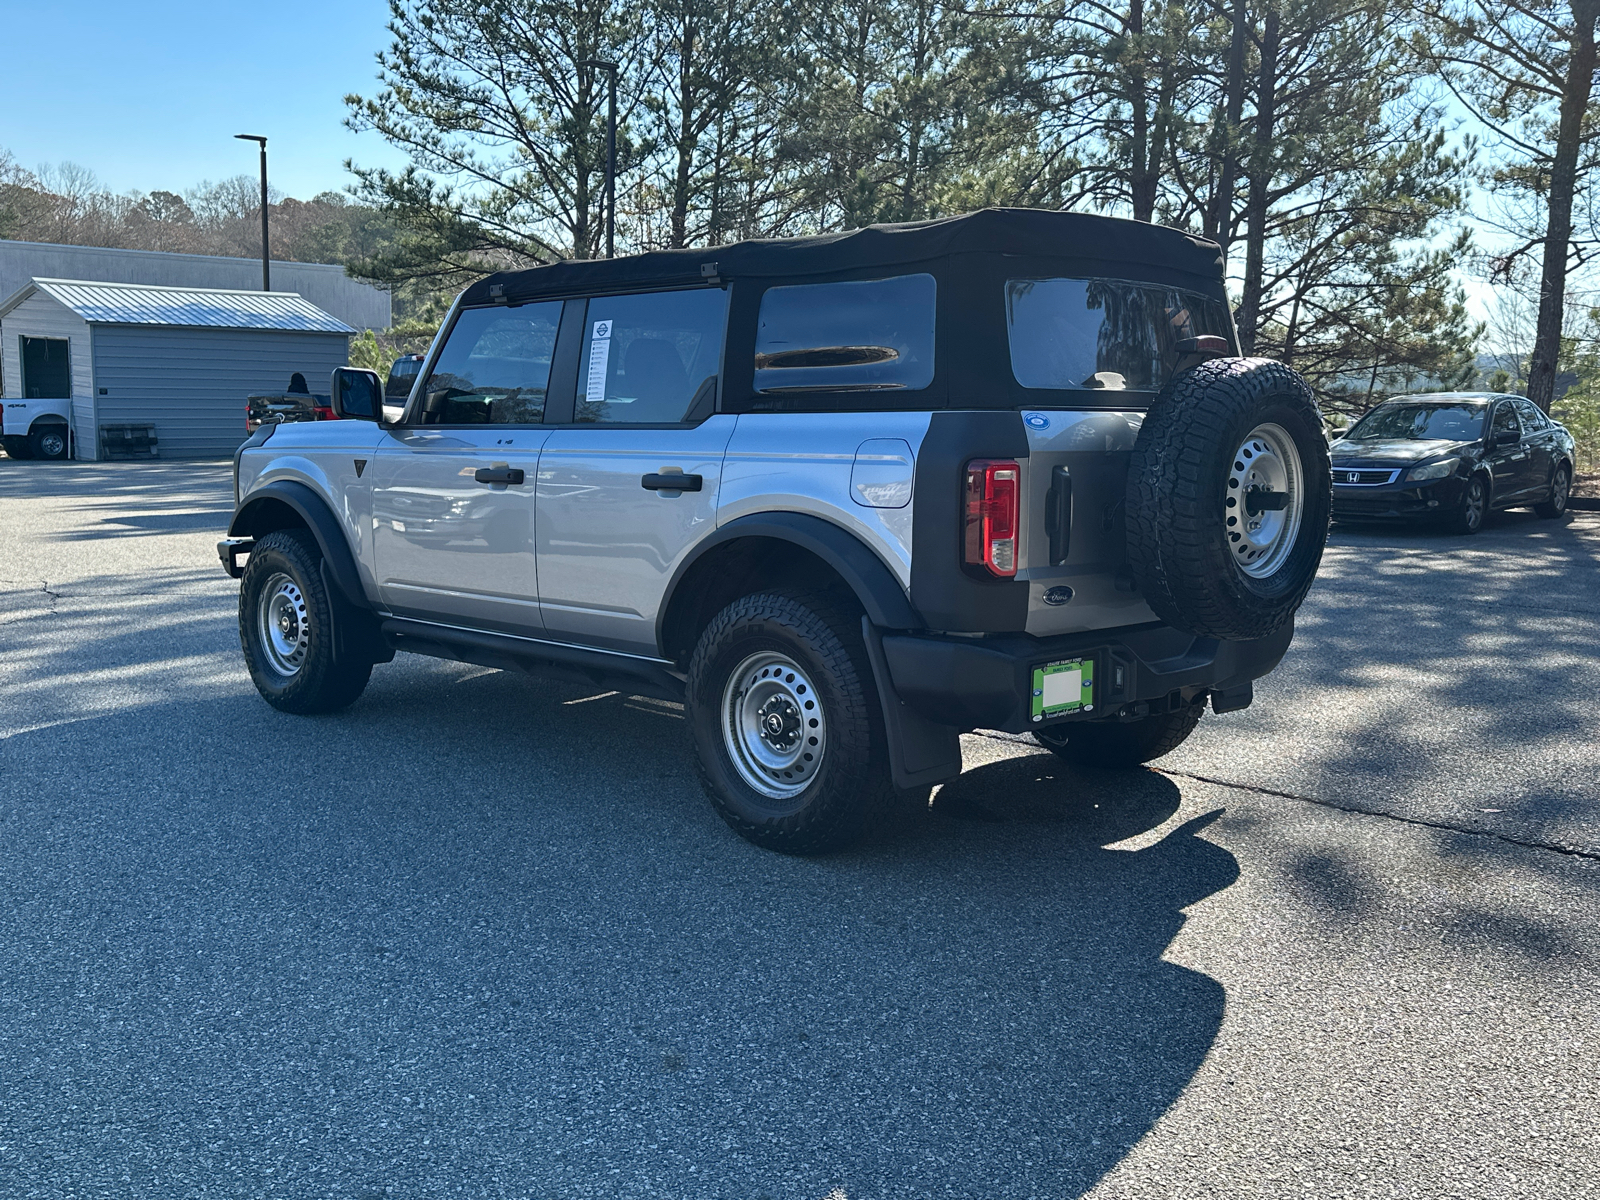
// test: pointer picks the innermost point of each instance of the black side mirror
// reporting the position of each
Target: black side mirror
(1506, 437)
(357, 394)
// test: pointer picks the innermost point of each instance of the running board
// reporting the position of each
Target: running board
(507, 652)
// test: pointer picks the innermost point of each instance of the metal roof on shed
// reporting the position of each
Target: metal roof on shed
(143, 304)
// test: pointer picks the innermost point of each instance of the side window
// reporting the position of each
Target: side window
(495, 367)
(1532, 419)
(875, 335)
(1505, 420)
(647, 357)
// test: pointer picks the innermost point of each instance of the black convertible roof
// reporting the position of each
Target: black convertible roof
(1099, 242)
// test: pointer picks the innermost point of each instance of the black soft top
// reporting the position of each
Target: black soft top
(1098, 245)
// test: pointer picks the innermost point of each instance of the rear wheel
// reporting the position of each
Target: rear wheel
(286, 629)
(1560, 492)
(1474, 506)
(48, 441)
(786, 723)
(1121, 743)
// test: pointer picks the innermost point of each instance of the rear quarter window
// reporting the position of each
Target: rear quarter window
(873, 335)
(1103, 334)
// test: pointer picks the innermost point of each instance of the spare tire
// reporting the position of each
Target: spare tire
(1228, 499)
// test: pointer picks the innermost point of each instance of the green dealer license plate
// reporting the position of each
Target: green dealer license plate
(1063, 687)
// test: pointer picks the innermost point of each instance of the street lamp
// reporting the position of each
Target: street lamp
(266, 261)
(611, 152)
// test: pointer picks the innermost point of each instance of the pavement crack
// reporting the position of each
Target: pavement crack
(1570, 851)
(1445, 826)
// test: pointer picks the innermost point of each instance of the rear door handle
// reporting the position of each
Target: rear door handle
(498, 475)
(671, 481)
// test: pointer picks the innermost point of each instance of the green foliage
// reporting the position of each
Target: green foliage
(1579, 408)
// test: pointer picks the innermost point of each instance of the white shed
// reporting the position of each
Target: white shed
(179, 359)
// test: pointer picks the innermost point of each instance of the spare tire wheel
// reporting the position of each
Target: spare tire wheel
(1229, 496)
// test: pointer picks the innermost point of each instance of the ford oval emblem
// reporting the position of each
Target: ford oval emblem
(1057, 596)
(1038, 420)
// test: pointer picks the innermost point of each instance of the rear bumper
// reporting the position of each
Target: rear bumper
(987, 683)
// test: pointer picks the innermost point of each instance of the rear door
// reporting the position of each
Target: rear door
(1539, 436)
(453, 492)
(611, 528)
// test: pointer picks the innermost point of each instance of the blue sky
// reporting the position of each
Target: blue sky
(149, 94)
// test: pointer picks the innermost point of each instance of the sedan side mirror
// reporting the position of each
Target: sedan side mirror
(1506, 437)
(357, 394)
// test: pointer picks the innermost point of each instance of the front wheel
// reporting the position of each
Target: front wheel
(1474, 506)
(1120, 743)
(786, 723)
(286, 629)
(1560, 492)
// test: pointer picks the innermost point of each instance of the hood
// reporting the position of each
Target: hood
(1398, 450)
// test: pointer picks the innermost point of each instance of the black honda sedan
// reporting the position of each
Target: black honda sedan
(1451, 457)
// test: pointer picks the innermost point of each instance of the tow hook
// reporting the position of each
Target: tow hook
(229, 549)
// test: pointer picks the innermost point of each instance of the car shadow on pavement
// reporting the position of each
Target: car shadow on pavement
(485, 930)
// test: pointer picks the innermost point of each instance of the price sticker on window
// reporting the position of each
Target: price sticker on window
(599, 360)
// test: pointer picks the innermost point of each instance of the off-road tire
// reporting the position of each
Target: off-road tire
(1467, 518)
(1560, 492)
(1120, 743)
(1178, 538)
(851, 786)
(16, 446)
(48, 442)
(325, 681)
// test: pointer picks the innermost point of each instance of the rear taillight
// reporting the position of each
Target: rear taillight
(992, 497)
(323, 413)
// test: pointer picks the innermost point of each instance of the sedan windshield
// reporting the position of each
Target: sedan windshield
(1420, 423)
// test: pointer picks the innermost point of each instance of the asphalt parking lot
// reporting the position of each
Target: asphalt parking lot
(480, 936)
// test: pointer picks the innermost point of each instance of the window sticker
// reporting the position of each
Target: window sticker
(599, 359)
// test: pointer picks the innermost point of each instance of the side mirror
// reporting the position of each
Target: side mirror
(1506, 437)
(357, 395)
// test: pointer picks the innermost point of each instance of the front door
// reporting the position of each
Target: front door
(611, 529)
(453, 488)
(1511, 461)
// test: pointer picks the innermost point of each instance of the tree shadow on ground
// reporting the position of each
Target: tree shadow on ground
(484, 928)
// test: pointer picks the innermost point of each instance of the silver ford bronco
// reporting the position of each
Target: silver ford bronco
(844, 497)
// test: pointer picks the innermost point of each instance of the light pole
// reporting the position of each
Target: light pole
(611, 151)
(266, 259)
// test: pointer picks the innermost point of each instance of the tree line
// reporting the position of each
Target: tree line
(1322, 142)
(1312, 138)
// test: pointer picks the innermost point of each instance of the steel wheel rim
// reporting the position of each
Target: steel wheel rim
(1475, 502)
(1267, 460)
(281, 625)
(773, 725)
(52, 444)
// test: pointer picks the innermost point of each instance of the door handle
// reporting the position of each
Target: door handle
(1058, 515)
(498, 475)
(671, 481)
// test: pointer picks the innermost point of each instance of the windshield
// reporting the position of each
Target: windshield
(1104, 333)
(1420, 423)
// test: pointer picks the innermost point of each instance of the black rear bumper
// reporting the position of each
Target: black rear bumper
(987, 683)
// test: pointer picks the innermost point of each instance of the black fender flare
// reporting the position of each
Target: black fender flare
(869, 577)
(339, 564)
